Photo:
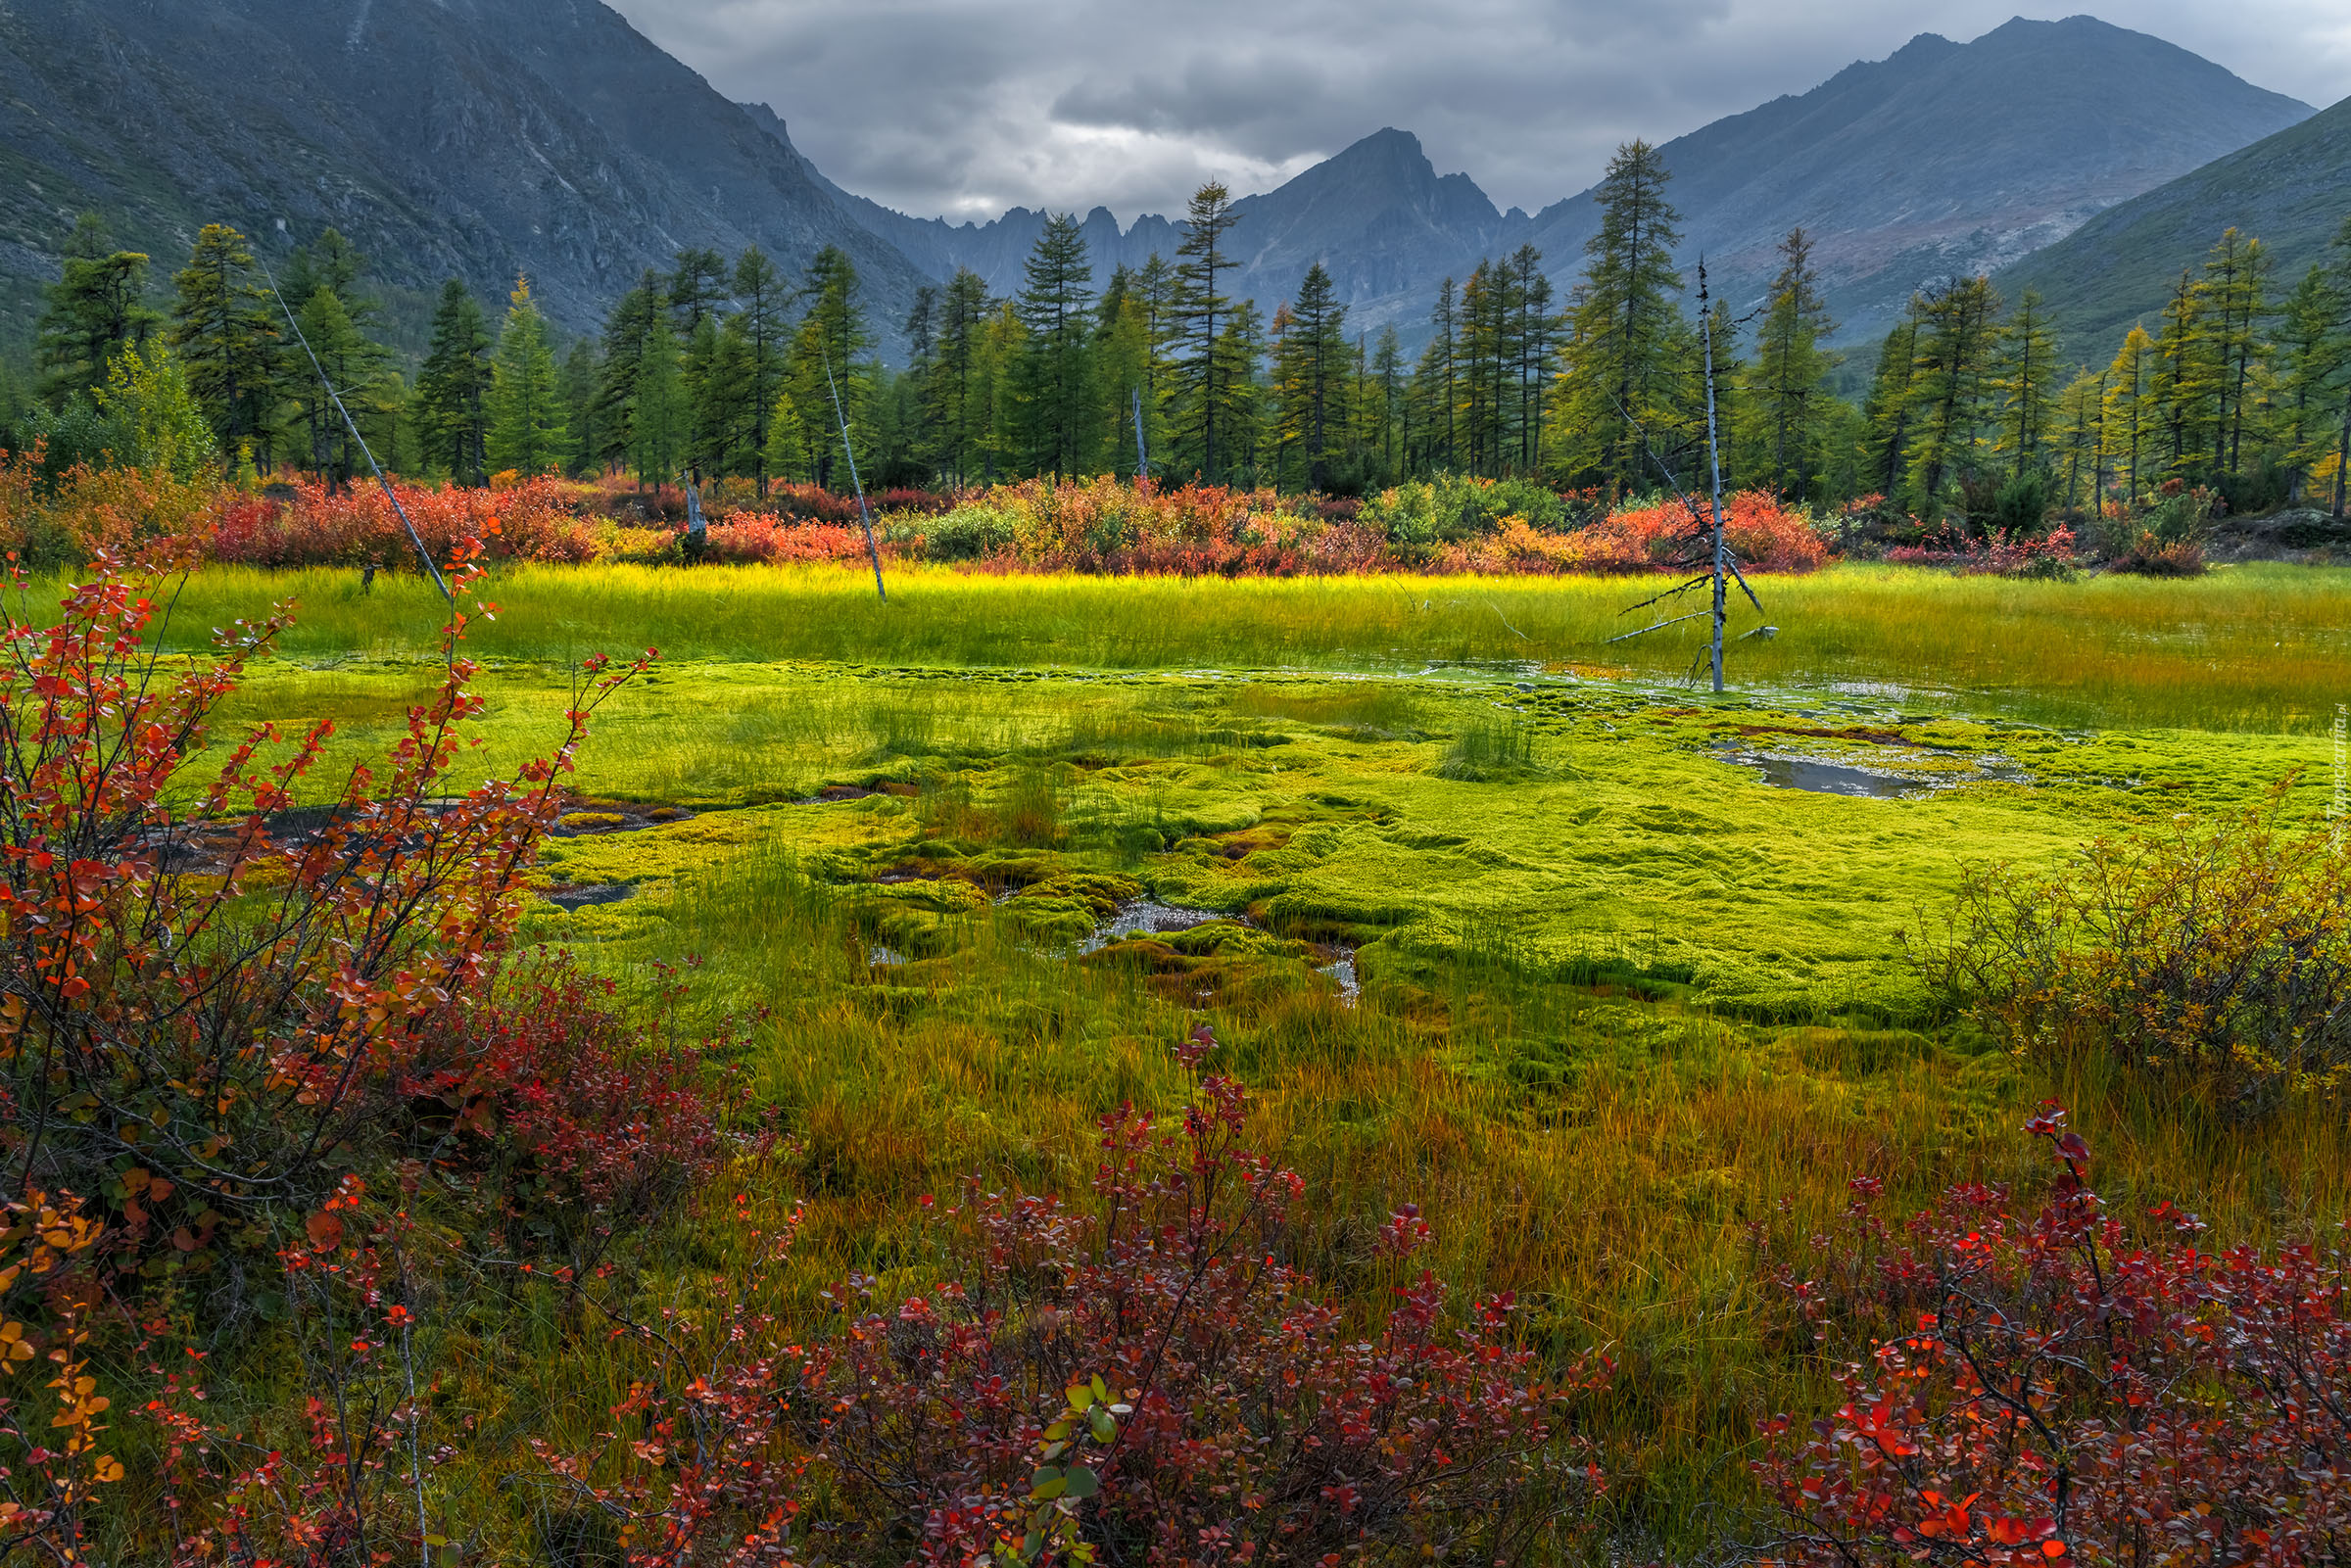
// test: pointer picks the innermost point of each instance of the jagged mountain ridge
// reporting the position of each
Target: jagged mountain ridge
(1945, 158)
(1942, 158)
(1378, 214)
(475, 138)
(2292, 191)
(486, 137)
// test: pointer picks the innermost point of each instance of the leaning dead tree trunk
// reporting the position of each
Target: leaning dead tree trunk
(848, 451)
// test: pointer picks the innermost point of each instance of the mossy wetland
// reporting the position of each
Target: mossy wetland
(1545, 944)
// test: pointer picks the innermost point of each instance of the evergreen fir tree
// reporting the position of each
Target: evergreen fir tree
(582, 440)
(358, 369)
(96, 309)
(526, 403)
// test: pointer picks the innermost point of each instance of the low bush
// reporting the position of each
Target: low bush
(530, 521)
(2211, 954)
(2167, 540)
(1140, 1378)
(2060, 1384)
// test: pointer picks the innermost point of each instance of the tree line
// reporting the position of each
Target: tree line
(734, 370)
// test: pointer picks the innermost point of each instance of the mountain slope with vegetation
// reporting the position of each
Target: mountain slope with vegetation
(1942, 159)
(479, 139)
(2292, 190)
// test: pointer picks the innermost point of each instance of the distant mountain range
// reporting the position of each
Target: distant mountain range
(1943, 157)
(2293, 190)
(483, 138)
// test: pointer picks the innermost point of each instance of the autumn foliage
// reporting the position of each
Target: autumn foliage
(2061, 1383)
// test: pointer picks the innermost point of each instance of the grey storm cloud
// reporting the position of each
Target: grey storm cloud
(963, 108)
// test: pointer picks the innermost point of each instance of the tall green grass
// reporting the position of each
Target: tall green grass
(2255, 647)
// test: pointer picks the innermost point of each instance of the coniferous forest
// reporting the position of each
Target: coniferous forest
(1975, 410)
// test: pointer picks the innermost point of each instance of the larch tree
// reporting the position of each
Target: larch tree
(833, 341)
(96, 309)
(526, 402)
(227, 342)
(2081, 437)
(2338, 271)
(954, 398)
(453, 388)
(1437, 380)
(1958, 327)
(1310, 377)
(1538, 345)
(1628, 323)
(1203, 374)
(1126, 372)
(763, 299)
(622, 353)
(2308, 350)
(1886, 413)
(1383, 410)
(697, 289)
(2185, 376)
(1787, 384)
(2236, 288)
(2025, 369)
(1055, 303)
(657, 412)
(2134, 412)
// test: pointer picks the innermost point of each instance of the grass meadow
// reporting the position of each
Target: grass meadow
(2249, 649)
(1512, 924)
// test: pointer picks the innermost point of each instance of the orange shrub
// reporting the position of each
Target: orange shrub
(1767, 536)
(753, 537)
(531, 520)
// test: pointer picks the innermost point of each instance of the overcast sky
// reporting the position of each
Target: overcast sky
(963, 108)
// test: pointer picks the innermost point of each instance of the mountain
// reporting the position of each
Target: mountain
(2292, 190)
(1942, 159)
(479, 138)
(483, 138)
(1378, 214)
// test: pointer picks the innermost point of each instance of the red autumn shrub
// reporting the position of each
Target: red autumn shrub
(1763, 531)
(1140, 1378)
(153, 1012)
(565, 1130)
(2058, 1385)
(755, 538)
(1264, 1426)
(533, 520)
